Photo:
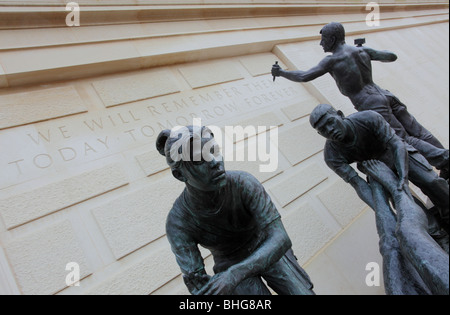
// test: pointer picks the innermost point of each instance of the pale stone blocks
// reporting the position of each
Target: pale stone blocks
(300, 109)
(307, 231)
(300, 142)
(142, 277)
(347, 257)
(31, 205)
(251, 125)
(210, 72)
(135, 87)
(298, 184)
(260, 64)
(152, 162)
(39, 259)
(252, 167)
(342, 202)
(138, 218)
(29, 107)
(263, 166)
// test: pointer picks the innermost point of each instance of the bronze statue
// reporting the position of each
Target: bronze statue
(406, 235)
(364, 136)
(231, 214)
(367, 139)
(351, 68)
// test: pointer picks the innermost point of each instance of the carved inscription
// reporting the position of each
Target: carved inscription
(36, 149)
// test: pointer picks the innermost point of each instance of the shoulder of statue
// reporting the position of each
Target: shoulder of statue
(178, 206)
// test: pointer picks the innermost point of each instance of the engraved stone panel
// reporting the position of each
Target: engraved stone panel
(211, 72)
(39, 259)
(257, 155)
(252, 167)
(251, 125)
(298, 184)
(342, 202)
(138, 218)
(34, 106)
(142, 277)
(25, 207)
(260, 64)
(136, 87)
(307, 231)
(152, 162)
(300, 109)
(300, 142)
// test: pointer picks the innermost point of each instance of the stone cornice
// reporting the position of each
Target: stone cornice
(13, 16)
(41, 55)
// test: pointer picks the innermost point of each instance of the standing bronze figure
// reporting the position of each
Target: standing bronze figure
(351, 68)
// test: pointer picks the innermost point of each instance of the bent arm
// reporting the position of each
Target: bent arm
(275, 245)
(380, 55)
(341, 167)
(384, 133)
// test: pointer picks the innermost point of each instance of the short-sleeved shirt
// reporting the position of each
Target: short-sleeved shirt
(231, 232)
(372, 135)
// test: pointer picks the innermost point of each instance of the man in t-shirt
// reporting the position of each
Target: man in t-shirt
(231, 214)
(365, 136)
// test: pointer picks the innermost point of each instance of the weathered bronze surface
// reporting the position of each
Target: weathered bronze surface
(414, 263)
(231, 214)
(351, 68)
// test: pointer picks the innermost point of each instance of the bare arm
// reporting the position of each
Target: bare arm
(380, 55)
(303, 76)
(269, 252)
(401, 160)
(363, 190)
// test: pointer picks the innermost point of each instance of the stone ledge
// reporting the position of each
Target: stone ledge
(65, 36)
(13, 16)
(37, 65)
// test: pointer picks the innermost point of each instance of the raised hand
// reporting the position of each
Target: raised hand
(276, 70)
(382, 174)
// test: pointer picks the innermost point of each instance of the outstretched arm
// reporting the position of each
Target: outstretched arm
(341, 167)
(380, 55)
(363, 190)
(269, 252)
(302, 76)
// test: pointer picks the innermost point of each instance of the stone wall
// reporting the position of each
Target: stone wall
(80, 110)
